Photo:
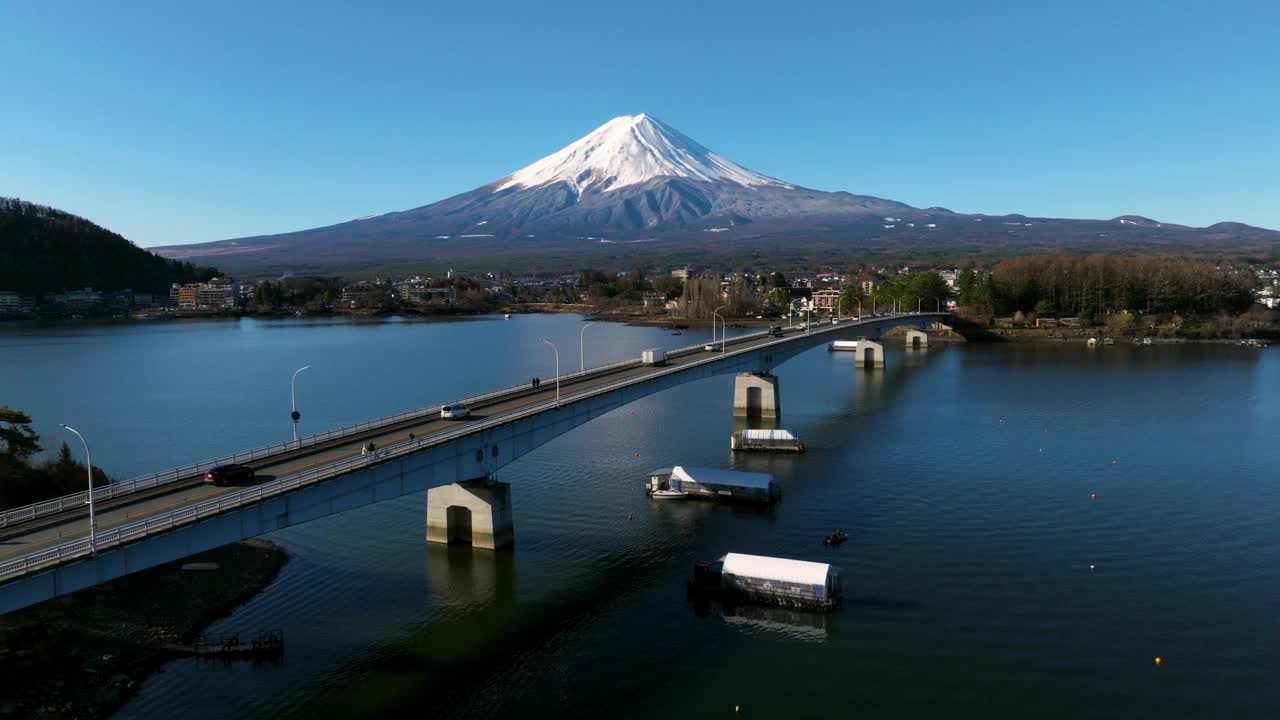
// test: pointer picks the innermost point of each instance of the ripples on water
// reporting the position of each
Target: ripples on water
(962, 476)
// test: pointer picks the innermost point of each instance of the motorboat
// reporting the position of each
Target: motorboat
(507, 316)
(667, 495)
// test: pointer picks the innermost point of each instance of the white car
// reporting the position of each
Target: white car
(711, 347)
(457, 411)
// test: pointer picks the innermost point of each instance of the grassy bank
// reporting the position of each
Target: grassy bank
(84, 655)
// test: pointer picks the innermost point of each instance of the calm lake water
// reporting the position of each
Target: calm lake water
(981, 580)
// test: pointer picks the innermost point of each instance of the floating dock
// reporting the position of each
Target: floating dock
(765, 441)
(771, 581)
(268, 644)
(715, 484)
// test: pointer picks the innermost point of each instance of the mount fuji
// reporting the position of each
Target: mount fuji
(635, 180)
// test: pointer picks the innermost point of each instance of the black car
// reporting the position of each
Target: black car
(775, 330)
(229, 475)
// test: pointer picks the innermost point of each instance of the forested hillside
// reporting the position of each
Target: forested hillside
(46, 250)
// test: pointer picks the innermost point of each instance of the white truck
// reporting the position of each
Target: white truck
(653, 356)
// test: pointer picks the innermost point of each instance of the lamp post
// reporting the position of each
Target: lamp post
(557, 352)
(88, 461)
(723, 329)
(937, 304)
(582, 363)
(293, 401)
(859, 308)
(839, 302)
(873, 304)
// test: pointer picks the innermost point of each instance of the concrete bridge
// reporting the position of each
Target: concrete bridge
(45, 549)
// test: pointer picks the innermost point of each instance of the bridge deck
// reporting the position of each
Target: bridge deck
(72, 524)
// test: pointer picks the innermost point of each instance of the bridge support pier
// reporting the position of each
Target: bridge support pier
(475, 512)
(870, 354)
(917, 340)
(756, 395)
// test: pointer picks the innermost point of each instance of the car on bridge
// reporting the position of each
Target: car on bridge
(231, 474)
(456, 411)
(711, 347)
(775, 330)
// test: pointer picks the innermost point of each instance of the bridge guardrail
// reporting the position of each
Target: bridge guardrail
(174, 518)
(166, 521)
(164, 477)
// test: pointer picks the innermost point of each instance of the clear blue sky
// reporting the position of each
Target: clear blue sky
(172, 123)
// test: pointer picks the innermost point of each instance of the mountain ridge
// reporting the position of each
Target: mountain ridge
(635, 179)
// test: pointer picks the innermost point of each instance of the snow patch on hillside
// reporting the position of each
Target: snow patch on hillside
(629, 150)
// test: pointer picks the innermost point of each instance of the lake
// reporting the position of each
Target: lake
(981, 579)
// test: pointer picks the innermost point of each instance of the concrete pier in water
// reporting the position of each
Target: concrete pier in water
(756, 395)
(870, 354)
(475, 512)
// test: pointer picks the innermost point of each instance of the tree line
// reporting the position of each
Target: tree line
(1091, 285)
(43, 250)
(907, 291)
(25, 479)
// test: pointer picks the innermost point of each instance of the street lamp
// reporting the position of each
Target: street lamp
(859, 308)
(557, 352)
(937, 304)
(582, 363)
(293, 401)
(873, 304)
(88, 461)
(724, 330)
(839, 302)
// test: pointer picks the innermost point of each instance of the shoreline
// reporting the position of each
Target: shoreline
(975, 333)
(86, 654)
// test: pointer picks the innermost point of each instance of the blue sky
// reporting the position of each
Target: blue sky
(175, 123)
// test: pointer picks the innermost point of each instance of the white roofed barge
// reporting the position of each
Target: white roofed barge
(714, 484)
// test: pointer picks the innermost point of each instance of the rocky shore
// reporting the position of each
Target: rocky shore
(84, 655)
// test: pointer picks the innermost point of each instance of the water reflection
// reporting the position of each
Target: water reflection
(793, 624)
(460, 575)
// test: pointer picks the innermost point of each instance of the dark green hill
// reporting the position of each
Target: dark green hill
(46, 250)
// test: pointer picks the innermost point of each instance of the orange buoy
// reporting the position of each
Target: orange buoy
(1158, 660)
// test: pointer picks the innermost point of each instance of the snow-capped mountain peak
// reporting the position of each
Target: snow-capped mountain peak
(633, 149)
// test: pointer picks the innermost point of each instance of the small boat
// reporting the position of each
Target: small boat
(667, 495)
(507, 316)
(676, 332)
(835, 538)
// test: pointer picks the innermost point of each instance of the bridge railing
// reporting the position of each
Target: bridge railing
(165, 477)
(164, 522)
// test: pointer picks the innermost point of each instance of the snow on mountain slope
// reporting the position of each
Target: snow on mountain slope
(630, 150)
